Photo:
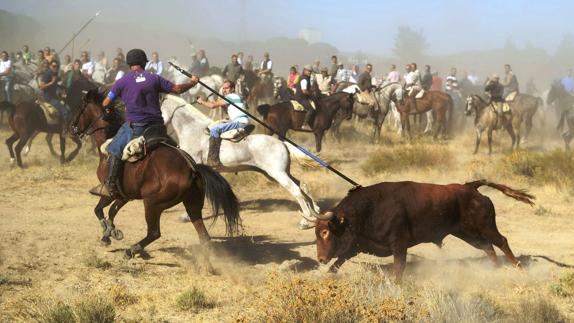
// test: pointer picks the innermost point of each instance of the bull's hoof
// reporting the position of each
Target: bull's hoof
(105, 241)
(117, 234)
(333, 269)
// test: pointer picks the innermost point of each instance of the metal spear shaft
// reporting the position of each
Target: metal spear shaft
(305, 151)
(78, 32)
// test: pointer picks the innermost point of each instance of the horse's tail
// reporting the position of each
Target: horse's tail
(562, 119)
(302, 158)
(263, 110)
(520, 195)
(220, 195)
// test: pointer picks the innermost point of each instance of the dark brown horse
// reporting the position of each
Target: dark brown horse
(258, 90)
(164, 178)
(282, 117)
(439, 102)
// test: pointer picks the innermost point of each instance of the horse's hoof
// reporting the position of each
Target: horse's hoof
(117, 234)
(105, 241)
(129, 254)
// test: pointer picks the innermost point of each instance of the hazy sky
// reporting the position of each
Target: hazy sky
(369, 26)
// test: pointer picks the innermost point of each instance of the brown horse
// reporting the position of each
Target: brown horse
(26, 119)
(486, 119)
(527, 105)
(282, 117)
(439, 102)
(166, 177)
(258, 90)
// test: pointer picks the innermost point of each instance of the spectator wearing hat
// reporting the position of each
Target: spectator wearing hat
(304, 95)
(292, 78)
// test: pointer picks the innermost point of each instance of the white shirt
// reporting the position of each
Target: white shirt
(235, 114)
(156, 66)
(89, 66)
(269, 65)
(119, 75)
(393, 77)
(5, 65)
(303, 84)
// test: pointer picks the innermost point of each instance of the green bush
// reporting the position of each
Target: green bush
(193, 300)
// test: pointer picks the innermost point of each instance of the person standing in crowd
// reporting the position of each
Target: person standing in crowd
(325, 81)
(248, 65)
(240, 58)
(6, 74)
(292, 78)
(436, 82)
(266, 67)
(115, 73)
(203, 63)
(155, 65)
(426, 81)
(568, 82)
(194, 68)
(316, 66)
(393, 76)
(233, 70)
(87, 65)
(510, 81)
(334, 67)
(66, 64)
(73, 75)
(26, 54)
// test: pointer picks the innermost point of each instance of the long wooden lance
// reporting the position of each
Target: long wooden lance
(78, 32)
(305, 151)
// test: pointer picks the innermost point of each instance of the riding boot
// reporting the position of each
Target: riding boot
(213, 155)
(115, 166)
(308, 117)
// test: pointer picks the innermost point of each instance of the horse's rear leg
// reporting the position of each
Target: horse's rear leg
(152, 217)
(99, 211)
(50, 145)
(27, 148)
(18, 150)
(567, 136)
(193, 203)
(10, 143)
(62, 148)
(478, 138)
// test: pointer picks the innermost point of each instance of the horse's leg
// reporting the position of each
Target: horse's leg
(152, 218)
(478, 138)
(19, 146)
(27, 148)
(112, 231)
(193, 202)
(489, 134)
(49, 137)
(318, 139)
(62, 148)
(291, 184)
(10, 143)
(74, 153)
(510, 131)
(99, 211)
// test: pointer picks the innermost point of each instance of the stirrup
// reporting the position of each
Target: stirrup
(100, 190)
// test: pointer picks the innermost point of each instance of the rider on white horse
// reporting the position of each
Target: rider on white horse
(238, 119)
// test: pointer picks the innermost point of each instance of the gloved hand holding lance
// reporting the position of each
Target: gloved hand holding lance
(306, 152)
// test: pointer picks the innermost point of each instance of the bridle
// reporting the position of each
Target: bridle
(89, 130)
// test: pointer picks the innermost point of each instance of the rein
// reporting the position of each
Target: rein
(174, 111)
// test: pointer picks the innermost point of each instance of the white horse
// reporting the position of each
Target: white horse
(262, 153)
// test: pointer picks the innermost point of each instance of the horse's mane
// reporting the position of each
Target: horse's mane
(189, 108)
(94, 96)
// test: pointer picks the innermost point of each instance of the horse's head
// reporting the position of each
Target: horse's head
(347, 104)
(89, 117)
(472, 102)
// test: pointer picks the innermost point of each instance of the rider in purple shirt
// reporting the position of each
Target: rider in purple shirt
(140, 92)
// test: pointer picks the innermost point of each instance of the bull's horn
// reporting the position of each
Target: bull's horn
(327, 216)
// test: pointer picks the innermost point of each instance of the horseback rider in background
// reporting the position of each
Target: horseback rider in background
(510, 82)
(496, 93)
(365, 86)
(139, 90)
(49, 87)
(413, 83)
(304, 95)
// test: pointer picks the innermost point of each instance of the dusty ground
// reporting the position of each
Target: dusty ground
(49, 238)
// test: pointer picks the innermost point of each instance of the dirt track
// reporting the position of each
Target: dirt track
(48, 234)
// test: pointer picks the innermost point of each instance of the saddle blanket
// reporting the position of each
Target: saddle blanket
(234, 135)
(50, 112)
(511, 96)
(505, 107)
(134, 150)
(299, 107)
(420, 94)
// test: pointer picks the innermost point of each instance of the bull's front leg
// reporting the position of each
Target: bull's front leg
(400, 262)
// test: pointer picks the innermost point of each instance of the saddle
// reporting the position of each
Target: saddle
(139, 147)
(50, 112)
(233, 135)
(299, 107)
(511, 96)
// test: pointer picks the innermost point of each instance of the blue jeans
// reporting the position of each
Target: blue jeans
(216, 131)
(7, 87)
(62, 110)
(125, 135)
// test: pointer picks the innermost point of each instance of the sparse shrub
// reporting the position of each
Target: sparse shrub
(555, 167)
(121, 296)
(43, 310)
(565, 285)
(95, 308)
(449, 306)
(193, 300)
(93, 260)
(542, 211)
(405, 157)
(535, 310)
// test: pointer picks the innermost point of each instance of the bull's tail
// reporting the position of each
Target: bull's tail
(263, 110)
(520, 195)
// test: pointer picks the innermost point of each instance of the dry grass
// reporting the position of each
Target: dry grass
(407, 157)
(93, 260)
(193, 300)
(565, 285)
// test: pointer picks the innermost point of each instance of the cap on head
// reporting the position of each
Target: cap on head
(136, 56)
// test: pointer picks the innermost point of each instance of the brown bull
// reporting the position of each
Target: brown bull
(388, 218)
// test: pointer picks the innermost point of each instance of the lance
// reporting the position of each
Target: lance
(305, 151)
(78, 32)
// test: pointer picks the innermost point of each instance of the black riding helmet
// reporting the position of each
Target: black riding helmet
(136, 56)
